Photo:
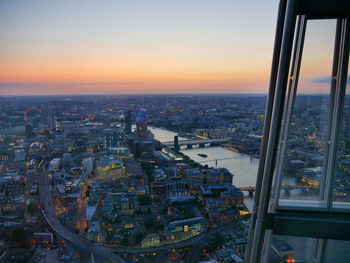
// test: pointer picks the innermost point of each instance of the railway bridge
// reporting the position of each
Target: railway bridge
(189, 143)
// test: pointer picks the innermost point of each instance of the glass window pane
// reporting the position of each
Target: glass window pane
(341, 186)
(290, 249)
(304, 164)
(337, 251)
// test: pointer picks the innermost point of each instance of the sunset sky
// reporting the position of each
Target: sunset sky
(147, 46)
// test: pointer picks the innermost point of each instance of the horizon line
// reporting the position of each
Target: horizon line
(142, 94)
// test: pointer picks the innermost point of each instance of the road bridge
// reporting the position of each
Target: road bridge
(201, 143)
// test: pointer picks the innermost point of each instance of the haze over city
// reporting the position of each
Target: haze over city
(174, 131)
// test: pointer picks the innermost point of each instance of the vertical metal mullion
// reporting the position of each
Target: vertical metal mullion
(333, 113)
(339, 77)
(281, 83)
(265, 254)
(288, 111)
(321, 249)
(267, 122)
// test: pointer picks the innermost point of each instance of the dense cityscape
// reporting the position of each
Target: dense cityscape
(83, 178)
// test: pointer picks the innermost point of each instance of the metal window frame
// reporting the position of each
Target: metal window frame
(337, 97)
(339, 80)
(298, 47)
(278, 82)
(294, 222)
(325, 184)
(267, 123)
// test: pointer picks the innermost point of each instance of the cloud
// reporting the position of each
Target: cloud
(328, 80)
(131, 87)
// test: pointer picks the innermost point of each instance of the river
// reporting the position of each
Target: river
(240, 165)
(244, 170)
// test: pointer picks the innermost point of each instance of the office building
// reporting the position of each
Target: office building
(127, 122)
(197, 177)
(29, 131)
(141, 125)
(110, 168)
(20, 154)
(151, 240)
(183, 229)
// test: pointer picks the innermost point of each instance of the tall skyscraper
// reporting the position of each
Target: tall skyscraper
(51, 120)
(127, 121)
(141, 125)
(110, 138)
(29, 131)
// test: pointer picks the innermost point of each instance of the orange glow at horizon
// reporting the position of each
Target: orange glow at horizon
(152, 87)
(146, 68)
(149, 75)
(73, 47)
(134, 47)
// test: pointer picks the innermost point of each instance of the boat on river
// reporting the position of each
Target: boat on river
(232, 149)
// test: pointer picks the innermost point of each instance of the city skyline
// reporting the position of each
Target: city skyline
(174, 131)
(158, 47)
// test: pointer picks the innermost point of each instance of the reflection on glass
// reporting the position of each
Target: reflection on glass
(337, 251)
(341, 186)
(289, 249)
(306, 149)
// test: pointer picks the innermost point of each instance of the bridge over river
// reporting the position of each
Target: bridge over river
(200, 143)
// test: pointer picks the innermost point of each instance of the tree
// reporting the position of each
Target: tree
(32, 207)
(153, 225)
(148, 168)
(117, 219)
(125, 239)
(18, 235)
(206, 214)
(188, 213)
(144, 199)
(138, 237)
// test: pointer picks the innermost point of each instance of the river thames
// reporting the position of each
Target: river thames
(243, 167)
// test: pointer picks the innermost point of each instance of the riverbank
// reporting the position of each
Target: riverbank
(242, 166)
(169, 128)
(229, 146)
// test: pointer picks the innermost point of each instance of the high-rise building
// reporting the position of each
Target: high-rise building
(67, 161)
(110, 138)
(127, 122)
(29, 131)
(20, 154)
(141, 125)
(51, 120)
